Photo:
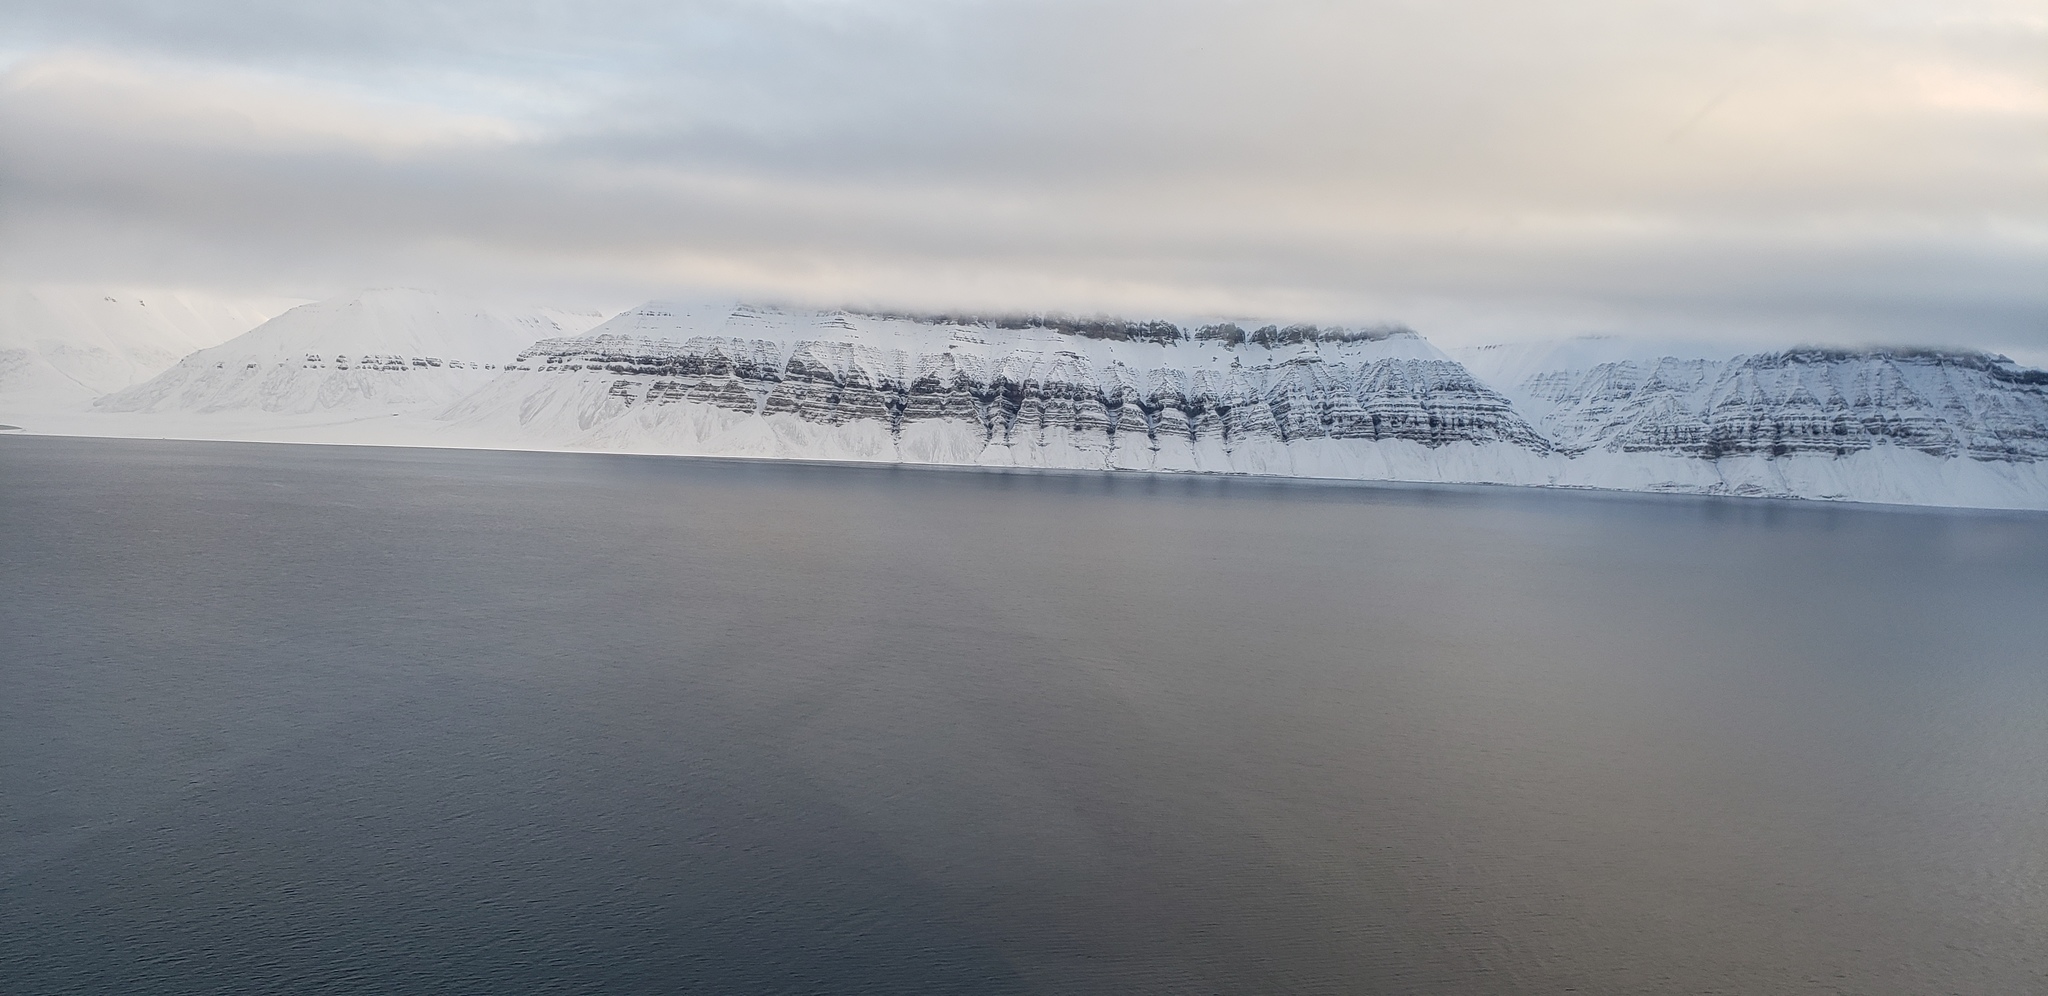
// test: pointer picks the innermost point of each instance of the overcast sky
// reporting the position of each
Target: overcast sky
(1487, 169)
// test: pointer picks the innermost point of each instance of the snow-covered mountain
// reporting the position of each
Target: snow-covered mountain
(379, 351)
(1944, 427)
(1108, 394)
(63, 346)
(1911, 425)
(1945, 403)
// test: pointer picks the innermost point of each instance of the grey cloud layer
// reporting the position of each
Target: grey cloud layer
(1835, 170)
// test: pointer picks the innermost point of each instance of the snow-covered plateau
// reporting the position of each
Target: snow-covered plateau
(1936, 427)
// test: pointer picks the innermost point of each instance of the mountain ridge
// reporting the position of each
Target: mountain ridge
(1910, 424)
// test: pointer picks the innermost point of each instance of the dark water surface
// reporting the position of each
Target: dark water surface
(318, 720)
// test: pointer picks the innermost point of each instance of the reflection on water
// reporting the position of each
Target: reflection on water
(309, 719)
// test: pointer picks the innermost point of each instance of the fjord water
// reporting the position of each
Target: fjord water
(321, 719)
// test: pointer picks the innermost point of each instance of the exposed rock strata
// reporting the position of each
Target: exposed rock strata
(1801, 402)
(1017, 393)
(1911, 426)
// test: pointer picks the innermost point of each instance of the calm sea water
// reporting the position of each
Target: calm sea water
(322, 720)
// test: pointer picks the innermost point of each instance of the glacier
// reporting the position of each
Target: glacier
(1913, 426)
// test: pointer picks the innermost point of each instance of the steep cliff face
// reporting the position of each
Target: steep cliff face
(1110, 394)
(1798, 403)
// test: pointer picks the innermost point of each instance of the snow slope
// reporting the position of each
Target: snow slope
(63, 346)
(380, 351)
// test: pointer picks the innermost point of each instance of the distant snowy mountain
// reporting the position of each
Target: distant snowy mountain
(1941, 427)
(63, 346)
(1944, 403)
(1908, 425)
(378, 351)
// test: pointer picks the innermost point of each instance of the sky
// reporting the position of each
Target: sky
(1484, 170)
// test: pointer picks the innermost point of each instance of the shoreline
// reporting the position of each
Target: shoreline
(1187, 476)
